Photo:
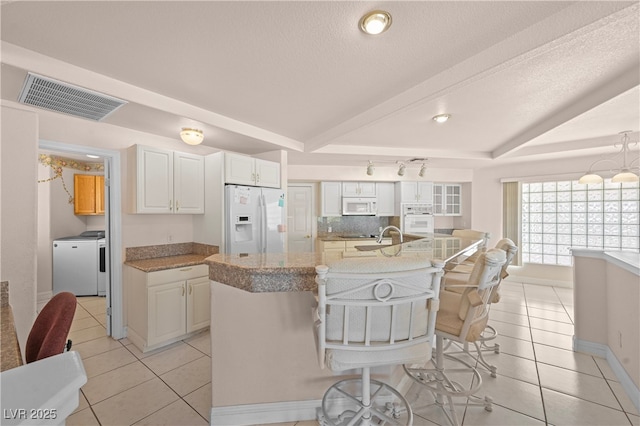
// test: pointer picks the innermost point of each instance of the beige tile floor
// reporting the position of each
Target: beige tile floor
(540, 379)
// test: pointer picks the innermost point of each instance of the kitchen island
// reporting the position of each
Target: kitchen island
(264, 362)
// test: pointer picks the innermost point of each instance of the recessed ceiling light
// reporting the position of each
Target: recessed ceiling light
(441, 118)
(92, 156)
(375, 22)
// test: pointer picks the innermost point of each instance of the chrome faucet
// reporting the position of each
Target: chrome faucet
(379, 240)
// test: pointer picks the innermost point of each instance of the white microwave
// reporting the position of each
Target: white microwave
(352, 206)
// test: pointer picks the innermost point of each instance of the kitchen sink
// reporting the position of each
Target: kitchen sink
(349, 237)
(372, 247)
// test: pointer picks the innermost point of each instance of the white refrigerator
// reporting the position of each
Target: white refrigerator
(255, 219)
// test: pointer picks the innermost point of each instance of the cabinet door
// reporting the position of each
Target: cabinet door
(198, 304)
(358, 189)
(167, 312)
(99, 194)
(438, 199)
(331, 199)
(424, 192)
(154, 180)
(408, 192)
(239, 169)
(350, 189)
(84, 194)
(267, 173)
(386, 198)
(367, 189)
(188, 183)
(452, 200)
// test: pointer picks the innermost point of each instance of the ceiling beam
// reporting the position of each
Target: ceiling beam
(615, 87)
(402, 152)
(545, 36)
(575, 147)
(44, 65)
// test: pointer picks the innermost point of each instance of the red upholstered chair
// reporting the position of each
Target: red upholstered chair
(48, 336)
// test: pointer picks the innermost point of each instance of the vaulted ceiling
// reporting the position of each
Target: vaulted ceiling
(521, 80)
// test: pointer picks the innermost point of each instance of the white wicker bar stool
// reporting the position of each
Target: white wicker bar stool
(456, 281)
(462, 318)
(373, 312)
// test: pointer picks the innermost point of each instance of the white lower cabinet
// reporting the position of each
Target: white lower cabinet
(166, 306)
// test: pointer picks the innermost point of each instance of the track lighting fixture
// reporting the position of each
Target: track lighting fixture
(370, 168)
(402, 165)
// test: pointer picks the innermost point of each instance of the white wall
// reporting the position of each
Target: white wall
(22, 128)
(487, 207)
(18, 221)
(44, 257)
(137, 230)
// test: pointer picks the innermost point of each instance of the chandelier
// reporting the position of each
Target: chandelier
(624, 173)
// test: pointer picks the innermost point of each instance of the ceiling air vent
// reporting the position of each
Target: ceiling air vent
(66, 98)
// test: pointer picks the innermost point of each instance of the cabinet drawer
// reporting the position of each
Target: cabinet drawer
(177, 274)
(333, 245)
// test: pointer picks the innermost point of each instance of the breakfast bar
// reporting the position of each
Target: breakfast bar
(264, 362)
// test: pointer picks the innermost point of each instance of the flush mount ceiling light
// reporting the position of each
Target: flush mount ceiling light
(191, 136)
(441, 118)
(375, 22)
(370, 168)
(92, 156)
(624, 173)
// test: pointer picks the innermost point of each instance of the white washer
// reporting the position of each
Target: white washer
(76, 263)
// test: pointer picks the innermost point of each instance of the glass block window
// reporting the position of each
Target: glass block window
(557, 216)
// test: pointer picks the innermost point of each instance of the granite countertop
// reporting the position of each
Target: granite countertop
(168, 256)
(10, 355)
(271, 272)
(167, 262)
(276, 272)
(339, 238)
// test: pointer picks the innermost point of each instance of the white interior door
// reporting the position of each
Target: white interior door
(300, 218)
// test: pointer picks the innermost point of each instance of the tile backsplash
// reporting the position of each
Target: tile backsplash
(344, 225)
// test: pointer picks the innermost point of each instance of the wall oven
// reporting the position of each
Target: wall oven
(353, 206)
(417, 219)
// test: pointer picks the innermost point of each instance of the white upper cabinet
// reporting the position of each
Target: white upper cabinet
(447, 199)
(188, 183)
(244, 170)
(414, 192)
(330, 199)
(165, 182)
(386, 198)
(358, 189)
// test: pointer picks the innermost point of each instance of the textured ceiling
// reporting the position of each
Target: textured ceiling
(519, 78)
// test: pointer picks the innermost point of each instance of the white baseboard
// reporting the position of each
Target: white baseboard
(538, 281)
(603, 351)
(276, 412)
